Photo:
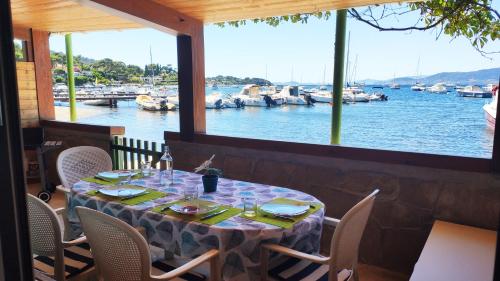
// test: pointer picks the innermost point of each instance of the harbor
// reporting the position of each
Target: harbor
(408, 121)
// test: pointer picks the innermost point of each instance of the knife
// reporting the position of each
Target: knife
(214, 214)
(103, 179)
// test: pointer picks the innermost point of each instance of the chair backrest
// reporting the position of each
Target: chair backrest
(80, 162)
(119, 250)
(347, 236)
(46, 233)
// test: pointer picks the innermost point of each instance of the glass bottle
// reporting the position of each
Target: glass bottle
(166, 167)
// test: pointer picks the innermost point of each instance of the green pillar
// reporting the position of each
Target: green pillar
(71, 77)
(338, 75)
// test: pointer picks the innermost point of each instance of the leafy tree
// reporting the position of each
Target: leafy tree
(18, 51)
(475, 20)
(81, 80)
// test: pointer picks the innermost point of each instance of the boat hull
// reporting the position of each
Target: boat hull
(474, 95)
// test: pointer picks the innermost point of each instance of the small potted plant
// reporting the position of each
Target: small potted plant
(210, 175)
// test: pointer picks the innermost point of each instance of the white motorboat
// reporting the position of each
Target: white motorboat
(489, 87)
(232, 102)
(490, 111)
(173, 99)
(438, 88)
(378, 97)
(148, 103)
(473, 92)
(418, 87)
(97, 102)
(251, 96)
(292, 96)
(351, 97)
(322, 96)
(395, 86)
(213, 101)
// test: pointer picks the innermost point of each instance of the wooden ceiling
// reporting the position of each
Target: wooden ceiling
(64, 16)
(212, 11)
(70, 16)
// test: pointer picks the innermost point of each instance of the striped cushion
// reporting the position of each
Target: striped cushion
(294, 269)
(161, 267)
(77, 259)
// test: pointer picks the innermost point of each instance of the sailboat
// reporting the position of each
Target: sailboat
(418, 87)
(394, 85)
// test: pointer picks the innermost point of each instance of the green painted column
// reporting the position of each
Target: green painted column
(338, 75)
(71, 77)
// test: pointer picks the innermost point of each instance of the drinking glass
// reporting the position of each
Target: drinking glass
(249, 207)
(191, 192)
(146, 169)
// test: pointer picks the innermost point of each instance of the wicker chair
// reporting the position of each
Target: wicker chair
(64, 260)
(76, 163)
(122, 253)
(341, 265)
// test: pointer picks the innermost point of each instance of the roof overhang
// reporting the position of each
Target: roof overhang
(62, 16)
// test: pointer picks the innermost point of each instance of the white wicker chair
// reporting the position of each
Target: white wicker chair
(76, 163)
(122, 254)
(64, 260)
(342, 263)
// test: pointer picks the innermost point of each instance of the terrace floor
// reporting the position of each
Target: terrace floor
(366, 272)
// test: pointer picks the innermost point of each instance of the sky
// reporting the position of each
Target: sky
(302, 52)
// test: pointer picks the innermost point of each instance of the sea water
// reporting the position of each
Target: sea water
(408, 121)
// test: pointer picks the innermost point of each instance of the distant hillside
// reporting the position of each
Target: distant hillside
(231, 80)
(479, 77)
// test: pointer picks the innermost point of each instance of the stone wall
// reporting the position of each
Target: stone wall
(411, 197)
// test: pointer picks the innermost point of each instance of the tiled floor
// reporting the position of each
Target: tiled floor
(366, 272)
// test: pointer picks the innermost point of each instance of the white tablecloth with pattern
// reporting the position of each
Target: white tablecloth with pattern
(238, 239)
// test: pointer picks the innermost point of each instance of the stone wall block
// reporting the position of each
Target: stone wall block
(337, 202)
(236, 167)
(369, 181)
(423, 194)
(322, 176)
(274, 172)
(471, 205)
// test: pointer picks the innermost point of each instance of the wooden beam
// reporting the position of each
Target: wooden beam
(198, 55)
(43, 73)
(148, 13)
(15, 253)
(22, 33)
(185, 78)
(496, 138)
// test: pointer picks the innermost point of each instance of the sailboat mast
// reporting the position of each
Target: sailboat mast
(152, 67)
(347, 61)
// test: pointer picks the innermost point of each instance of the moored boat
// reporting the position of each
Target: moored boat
(322, 96)
(418, 87)
(473, 92)
(97, 102)
(148, 103)
(438, 88)
(490, 110)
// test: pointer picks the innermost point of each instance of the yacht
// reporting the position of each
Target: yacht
(395, 86)
(490, 110)
(292, 96)
(322, 96)
(418, 87)
(438, 88)
(148, 103)
(473, 92)
(252, 96)
(489, 87)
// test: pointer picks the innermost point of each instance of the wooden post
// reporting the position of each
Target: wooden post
(496, 138)
(43, 74)
(338, 79)
(191, 75)
(15, 252)
(70, 77)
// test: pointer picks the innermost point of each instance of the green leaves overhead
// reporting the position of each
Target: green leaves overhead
(475, 20)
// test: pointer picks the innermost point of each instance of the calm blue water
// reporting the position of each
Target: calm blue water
(409, 121)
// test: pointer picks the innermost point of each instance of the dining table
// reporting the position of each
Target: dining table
(238, 238)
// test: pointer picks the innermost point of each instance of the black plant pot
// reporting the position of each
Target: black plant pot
(210, 183)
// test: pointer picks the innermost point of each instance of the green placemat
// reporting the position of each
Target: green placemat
(231, 212)
(281, 222)
(150, 195)
(109, 181)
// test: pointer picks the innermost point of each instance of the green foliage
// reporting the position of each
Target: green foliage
(475, 20)
(231, 80)
(81, 80)
(18, 51)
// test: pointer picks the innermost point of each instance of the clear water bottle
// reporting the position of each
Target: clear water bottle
(166, 167)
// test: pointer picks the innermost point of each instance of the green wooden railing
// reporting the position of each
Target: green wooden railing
(130, 153)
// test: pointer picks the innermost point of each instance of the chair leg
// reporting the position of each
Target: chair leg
(355, 274)
(215, 273)
(264, 254)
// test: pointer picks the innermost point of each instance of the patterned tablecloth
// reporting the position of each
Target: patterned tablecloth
(237, 238)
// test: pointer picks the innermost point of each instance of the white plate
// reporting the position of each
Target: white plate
(284, 209)
(117, 174)
(194, 207)
(122, 191)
